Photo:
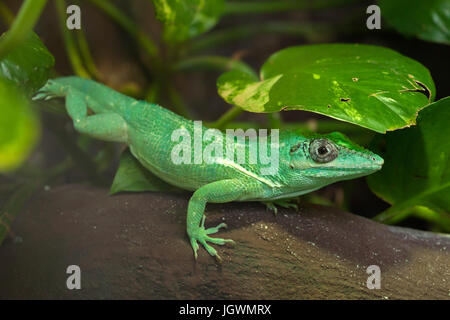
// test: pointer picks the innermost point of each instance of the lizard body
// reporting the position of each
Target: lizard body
(305, 162)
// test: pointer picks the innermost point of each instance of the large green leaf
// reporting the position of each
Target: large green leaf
(417, 164)
(19, 128)
(184, 19)
(132, 176)
(28, 65)
(425, 19)
(370, 86)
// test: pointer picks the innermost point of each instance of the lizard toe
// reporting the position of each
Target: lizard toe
(215, 229)
(202, 236)
(194, 245)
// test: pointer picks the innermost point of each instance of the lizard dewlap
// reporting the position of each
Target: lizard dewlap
(304, 162)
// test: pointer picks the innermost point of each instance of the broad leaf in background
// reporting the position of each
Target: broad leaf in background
(370, 86)
(425, 19)
(417, 165)
(19, 128)
(28, 65)
(132, 176)
(184, 19)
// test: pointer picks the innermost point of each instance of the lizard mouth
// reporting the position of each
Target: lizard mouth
(372, 166)
(353, 169)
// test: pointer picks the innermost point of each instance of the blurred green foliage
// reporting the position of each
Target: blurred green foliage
(186, 19)
(28, 66)
(426, 19)
(19, 128)
(417, 168)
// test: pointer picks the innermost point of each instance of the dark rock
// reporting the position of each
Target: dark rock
(134, 246)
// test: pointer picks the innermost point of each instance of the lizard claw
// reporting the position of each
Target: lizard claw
(271, 206)
(287, 203)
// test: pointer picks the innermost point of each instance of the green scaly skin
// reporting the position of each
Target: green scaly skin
(147, 129)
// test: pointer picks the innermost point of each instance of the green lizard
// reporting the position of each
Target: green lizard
(306, 162)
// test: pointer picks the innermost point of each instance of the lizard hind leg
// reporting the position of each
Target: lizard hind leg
(103, 126)
(284, 203)
(50, 90)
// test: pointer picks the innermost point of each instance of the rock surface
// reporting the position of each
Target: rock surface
(134, 246)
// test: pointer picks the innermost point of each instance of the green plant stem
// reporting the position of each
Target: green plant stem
(312, 33)
(178, 104)
(69, 42)
(243, 7)
(403, 209)
(442, 220)
(226, 118)
(6, 14)
(213, 63)
(153, 92)
(275, 121)
(26, 19)
(221, 64)
(86, 54)
(128, 25)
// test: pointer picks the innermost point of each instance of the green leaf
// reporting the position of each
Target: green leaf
(425, 19)
(184, 19)
(19, 128)
(417, 165)
(132, 176)
(28, 65)
(373, 87)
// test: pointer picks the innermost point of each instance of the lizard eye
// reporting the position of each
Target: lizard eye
(323, 150)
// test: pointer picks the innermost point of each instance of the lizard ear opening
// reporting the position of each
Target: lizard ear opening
(294, 148)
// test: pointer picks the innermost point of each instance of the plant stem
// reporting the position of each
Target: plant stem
(227, 117)
(6, 14)
(312, 32)
(214, 63)
(403, 209)
(242, 7)
(128, 24)
(221, 64)
(86, 54)
(69, 42)
(178, 103)
(26, 19)
(440, 219)
(153, 92)
(275, 121)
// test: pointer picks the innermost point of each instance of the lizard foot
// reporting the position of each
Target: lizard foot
(49, 91)
(285, 203)
(201, 235)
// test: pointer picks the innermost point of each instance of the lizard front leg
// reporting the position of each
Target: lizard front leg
(216, 192)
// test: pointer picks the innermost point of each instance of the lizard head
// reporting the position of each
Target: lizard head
(331, 157)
